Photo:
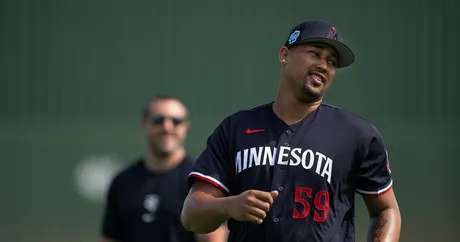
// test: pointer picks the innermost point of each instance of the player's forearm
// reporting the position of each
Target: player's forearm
(203, 213)
(219, 235)
(385, 226)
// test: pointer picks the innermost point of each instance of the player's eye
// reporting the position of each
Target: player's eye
(314, 53)
(332, 62)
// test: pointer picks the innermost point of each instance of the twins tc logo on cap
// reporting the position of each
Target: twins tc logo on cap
(293, 37)
(332, 33)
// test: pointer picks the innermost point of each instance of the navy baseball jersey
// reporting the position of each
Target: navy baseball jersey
(143, 206)
(317, 165)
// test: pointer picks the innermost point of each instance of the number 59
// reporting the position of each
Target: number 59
(321, 202)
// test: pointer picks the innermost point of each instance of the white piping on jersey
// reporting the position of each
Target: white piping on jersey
(378, 192)
(209, 179)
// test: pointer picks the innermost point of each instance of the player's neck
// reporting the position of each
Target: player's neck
(292, 111)
(158, 163)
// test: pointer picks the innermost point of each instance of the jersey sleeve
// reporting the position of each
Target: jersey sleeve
(110, 219)
(374, 178)
(213, 164)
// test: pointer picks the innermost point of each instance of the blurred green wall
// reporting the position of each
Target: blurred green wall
(74, 75)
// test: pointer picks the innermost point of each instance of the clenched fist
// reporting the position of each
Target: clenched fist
(251, 205)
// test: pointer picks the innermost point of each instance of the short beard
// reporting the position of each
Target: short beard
(306, 95)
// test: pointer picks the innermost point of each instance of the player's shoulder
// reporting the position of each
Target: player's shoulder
(254, 110)
(246, 114)
(349, 119)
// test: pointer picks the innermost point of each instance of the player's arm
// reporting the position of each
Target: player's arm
(205, 208)
(110, 220)
(208, 205)
(375, 184)
(219, 235)
(385, 218)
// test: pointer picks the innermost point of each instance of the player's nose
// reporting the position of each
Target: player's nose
(321, 65)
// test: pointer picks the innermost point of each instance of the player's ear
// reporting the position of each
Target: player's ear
(283, 55)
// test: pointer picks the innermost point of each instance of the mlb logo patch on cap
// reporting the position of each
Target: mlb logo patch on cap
(294, 36)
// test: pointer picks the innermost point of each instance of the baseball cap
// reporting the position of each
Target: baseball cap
(323, 32)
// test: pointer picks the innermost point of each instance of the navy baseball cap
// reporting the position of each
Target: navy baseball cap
(323, 32)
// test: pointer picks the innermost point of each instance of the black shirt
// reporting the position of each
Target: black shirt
(317, 165)
(143, 206)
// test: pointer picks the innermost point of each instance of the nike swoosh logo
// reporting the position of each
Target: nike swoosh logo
(250, 131)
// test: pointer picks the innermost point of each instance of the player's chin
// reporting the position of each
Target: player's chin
(313, 92)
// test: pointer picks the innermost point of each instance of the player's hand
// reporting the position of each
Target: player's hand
(251, 205)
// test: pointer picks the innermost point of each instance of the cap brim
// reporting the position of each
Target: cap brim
(346, 56)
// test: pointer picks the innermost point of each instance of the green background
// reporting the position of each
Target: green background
(75, 74)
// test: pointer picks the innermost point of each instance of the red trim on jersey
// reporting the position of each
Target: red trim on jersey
(387, 189)
(209, 181)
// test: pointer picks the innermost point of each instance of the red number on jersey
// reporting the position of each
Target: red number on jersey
(305, 204)
(321, 202)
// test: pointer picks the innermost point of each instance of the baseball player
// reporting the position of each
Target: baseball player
(145, 199)
(288, 170)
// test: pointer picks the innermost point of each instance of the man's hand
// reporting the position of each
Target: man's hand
(251, 205)
(206, 207)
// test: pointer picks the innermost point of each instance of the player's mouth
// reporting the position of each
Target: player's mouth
(316, 76)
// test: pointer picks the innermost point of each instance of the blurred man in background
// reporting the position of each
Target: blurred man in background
(145, 200)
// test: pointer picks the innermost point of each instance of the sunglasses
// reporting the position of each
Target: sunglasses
(160, 119)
